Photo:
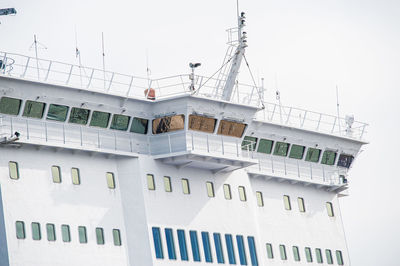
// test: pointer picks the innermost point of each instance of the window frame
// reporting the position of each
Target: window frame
(260, 199)
(97, 124)
(65, 233)
(63, 119)
(339, 257)
(205, 237)
(73, 119)
(242, 193)
(278, 150)
(167, 184)
(157, 122)
(232, 124)
(308, 253)
(169, 239)
(11, 113)
(282, 251)
(36, 232)
(115, 124)
(267, 144)
(158, 248)
(301, 203)
(227, 192)
(318, 255)
(20, 229)
(13, 170)
(117, 237)
(56, 174)
(296, 253)
(75, 176)
(294, 156)
(310, 154)
(183, 250)
(218, 248)
(270, 251)
(286, 202)
(82, 234)
(329, 258)
(193, 119)
(25, 111)
(194, 242)
(100, 236)
(210, 189)
(140, 120)
(110, 178)
(185, 186)
(329, 209)
(51, 232)
(151, 184)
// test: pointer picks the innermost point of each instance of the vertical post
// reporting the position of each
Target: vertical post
(26, 67)
(192, 141)
(169, 143)
(222, 143)
(98, 139)
(11, 126)
(298, 169)
(27, 129)
(272, 164)
(237, 148)
(104, 63)
(311, 171)
(129, 88)
(80, 131)
(48, 71)
(45, 131)
(69, 75)
(115, 141)
(208, 146)
(63, 133)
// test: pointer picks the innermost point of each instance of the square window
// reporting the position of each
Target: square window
(76, 179)
(210, 189)
(139, 125)
(249, 143)
(202, 123)
(120, 122)
(242, 193)
(265, 146)
(100, 119)
(10, 106)
(313, 155)
(150, 182)
(13, 170)
(110, 180)
(297, 152)
(328, 157)
(79, 116)
(57, 112)
(227, 192)
(33, 109)
(56, 174)
(167, 184)
(185, 186)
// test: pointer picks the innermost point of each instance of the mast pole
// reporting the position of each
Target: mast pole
(104, 63)
(36, 55)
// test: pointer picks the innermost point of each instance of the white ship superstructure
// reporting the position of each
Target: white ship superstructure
(109, 169)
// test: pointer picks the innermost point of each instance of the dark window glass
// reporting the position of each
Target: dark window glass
(79, 116)
(139, 125)
(252, 250)
(168, 124)
(249, 143)
(345, 160)
(339, 257)
(328, 157)
(202, 123)
(20, 229)
(218, 248)
(296, 254)
(10, 106)
(265, 146)
(318, 253)
(182, 244)
(66, 235)
(51, 232)
(170, 244)
(230, 128)
(229, 247)
(157, 243)
(313, 155)
(195, 245)
(57, 112)
(100, 119)
(33, 109)
(99, 236)
(117, 237)
(281, 148)
(270, 252)
(308, 254)
(36, 235)
(82, 234)
(120, 122)
(241, 250)
(297, 152)
(206, 246)
(328, 254)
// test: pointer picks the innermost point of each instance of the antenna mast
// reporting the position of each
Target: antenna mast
(35, 45)
(337, 106)
(104, 63)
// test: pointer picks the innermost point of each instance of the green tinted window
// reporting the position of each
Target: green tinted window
(51, 232)
(120, 122)
(13, 170)
(328, 157)
(328, 254)
(79, 116)
(270, 252)
(99, 236)
(82, 234)
(297, 152)
(296, 254)
(20, 229)
(281, 148)
(313, 155)
(282, 250)
(249, 143)
(36, 231)
(10, 106)
(339, 257)
(116, 237)
(139, 125)
(308, 254)
(34, 109)
(100, 119)
(265, 146)
(318, 253)
(57, 112)
(56, 174)
(66, 235)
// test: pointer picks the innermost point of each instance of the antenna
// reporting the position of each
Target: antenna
(104, 55)
(36, 45)
(148, 71)
(337, 106)
(78, 55)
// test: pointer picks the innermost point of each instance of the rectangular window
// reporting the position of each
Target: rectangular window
(339, 257)
(167, 184)
(202, 123)
(157, 242)
(313, 155)
(328, 254)
(116, 237)
(13, 170)
(182, 245)
(227, 192)
(150, 182)
(281, 148)
(218, 248)
(65, 233)
(308, 254)
(260, 201)
(241, 250)
(249, 143)
(210, 189)
(100, 119)
(36, 235)
(286, 202)
(79, 116)
(139, 125)
(168, 124)
(99, 236)
(51, 232)
(318, 253)
(230, 249)
(302, 207)
(120, 122)
(345, 160)
(206, 246)
(10, 106)
(20, 229)
(252, 250)
(297, 152)
(82, 234)
(329, 209)
(265, 146)
(33, 109)
(110, 180)
(185, 186)
(328, 157)
(296, 254)
(242, 193)
(56, 174)
(57, 112)
(270, 252)
(195, 245)
(230, 128)
(170, 243)
(76, 179)
(282, 250)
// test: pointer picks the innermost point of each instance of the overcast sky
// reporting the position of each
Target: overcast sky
(310, 46)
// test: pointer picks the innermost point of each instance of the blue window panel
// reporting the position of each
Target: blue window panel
(206, 246)
(218, 248)
(182, 244)
(229, 247)
(242, 252)
(195, 245)
(170, 243)
(252, 250)
(157, 243)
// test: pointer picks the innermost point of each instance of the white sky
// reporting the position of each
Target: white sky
(309, 45)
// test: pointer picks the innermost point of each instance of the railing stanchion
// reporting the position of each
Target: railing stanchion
(311, 171)
(191, 133)
(237, 148)
(45, 131)
(69, 75)
(115, 141)
(27, 129)
(26, 67)
(63, 133)
(111, 80)
(48, 71)
(208, 145)
(98, 139)
(272, 164)
(169, 143)
(80, 132)
(222, 143)
(90, 79)
(298, 169)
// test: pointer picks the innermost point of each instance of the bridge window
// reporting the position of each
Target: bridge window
(281, 148)
(79, 116)
(116, 237)
(313, 155)
(34, 109)
(13, 170)
(302, 207)
(328, 254)
(100, 119)
(296, 254)
(185, 186)
(139, 125)
(10, 106)
(120, 122)
(76, 179)
(57, 112)
(150, 182)
(65, 233)
(56, 174)
(168, 124)
(345, 160)
(249, 143)
(297, 152)
(328, 157)
(230, 128)
(202, 123)
(20, 229)
(51, 232)
(36, 235)
(265, 146)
